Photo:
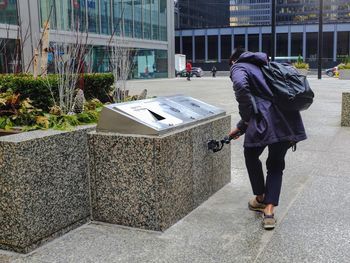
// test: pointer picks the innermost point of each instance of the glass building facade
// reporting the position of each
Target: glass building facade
(250, 12)
(8, 12)
(141, 19)
(141, 22)
(258, 12)
(202, 14)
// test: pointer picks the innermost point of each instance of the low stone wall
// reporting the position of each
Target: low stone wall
(152, 182)
(44, 186)
(345, 115)
(344, 74)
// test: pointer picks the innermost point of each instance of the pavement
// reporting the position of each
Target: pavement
(313, 216)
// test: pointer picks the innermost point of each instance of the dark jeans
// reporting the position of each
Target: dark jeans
(275, 165)
(188, 75)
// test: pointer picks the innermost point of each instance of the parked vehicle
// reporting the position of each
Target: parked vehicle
(196, 72)
(332, 72)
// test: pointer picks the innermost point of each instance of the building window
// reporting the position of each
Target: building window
(213, 48)
(200, 49)
(240, 41)
(328, 46)
(177, 45)
(128, 18)
(226, 47)
(187, 47)
(253, 43)
(311, 46)
(266, 44)
(282, 45)
(147, 19)
(117, 17)
(105, 17)
(48, 12)
(10, 54)
(297, 44)
(150, 64)
(155, 19)
(343, 45)
(93, 16)
(138, 18)
(8, 12)
(79, 8)
(163, 20)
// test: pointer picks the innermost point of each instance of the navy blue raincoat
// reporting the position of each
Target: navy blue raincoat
(262, 121)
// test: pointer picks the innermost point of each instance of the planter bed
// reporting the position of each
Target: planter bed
(44, 186)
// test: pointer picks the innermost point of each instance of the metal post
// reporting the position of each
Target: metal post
(273, 30)
(193, 47)
(320, 40)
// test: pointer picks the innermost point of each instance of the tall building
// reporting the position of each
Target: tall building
(250, 28)
(147, 27)
(250, 12)
(202, 14)
(258, 12)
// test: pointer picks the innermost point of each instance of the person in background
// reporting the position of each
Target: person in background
(213, 71)
(188, 70)
(265, 125)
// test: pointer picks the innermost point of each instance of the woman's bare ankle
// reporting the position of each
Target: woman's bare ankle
(269, 209)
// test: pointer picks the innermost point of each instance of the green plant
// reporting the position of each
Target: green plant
(6, 123)
(300, 64)
(38, 90)
(15, 111)
(344, 66)
(98, 86)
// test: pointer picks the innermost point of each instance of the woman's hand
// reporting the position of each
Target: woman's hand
(235, 134)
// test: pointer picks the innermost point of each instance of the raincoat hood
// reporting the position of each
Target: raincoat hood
(259, 59)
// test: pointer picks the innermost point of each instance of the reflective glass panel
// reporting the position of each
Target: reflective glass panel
(93, 16)
(150, 64)
(105, 17)
(163, 20)
(138, 18)
(8, 12)
(155, 19)
(147, 19)
(117, 17)
(79, 9)
(64, 14)
(48, 12)
(128, 17)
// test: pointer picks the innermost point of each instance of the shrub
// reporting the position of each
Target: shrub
(38, 90)
(98, 86)
(344, 66)
(300, 64)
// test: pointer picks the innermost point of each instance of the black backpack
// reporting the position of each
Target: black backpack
(291, 90)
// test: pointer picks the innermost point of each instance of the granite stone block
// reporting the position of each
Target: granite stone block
(344, 74)
(151, 182)
(221, 160)
(44, 186)
(345, 115)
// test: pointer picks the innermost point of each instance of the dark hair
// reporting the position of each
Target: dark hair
(235, 55)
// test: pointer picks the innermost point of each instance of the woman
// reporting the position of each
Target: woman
(264, 126)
